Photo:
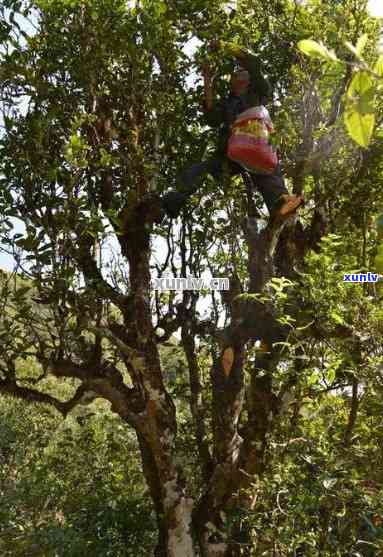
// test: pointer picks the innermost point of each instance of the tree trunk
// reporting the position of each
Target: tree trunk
(172, 506)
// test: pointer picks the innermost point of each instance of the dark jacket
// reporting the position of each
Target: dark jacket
(224, 112)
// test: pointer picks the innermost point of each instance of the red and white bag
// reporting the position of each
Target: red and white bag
(248, 143)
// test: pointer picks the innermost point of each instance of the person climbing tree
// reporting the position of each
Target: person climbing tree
(248, 88)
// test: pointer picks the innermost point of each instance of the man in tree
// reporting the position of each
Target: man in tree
(249, 88)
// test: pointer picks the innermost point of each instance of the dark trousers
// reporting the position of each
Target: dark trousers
(270, 186)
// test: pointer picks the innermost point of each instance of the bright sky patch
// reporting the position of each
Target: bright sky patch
(375, 7)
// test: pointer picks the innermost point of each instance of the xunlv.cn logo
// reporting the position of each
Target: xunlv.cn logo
(189, 283)
(361, 277)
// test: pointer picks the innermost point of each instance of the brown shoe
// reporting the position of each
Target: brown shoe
(287, 206)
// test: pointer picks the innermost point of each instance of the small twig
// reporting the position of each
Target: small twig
(278, 503)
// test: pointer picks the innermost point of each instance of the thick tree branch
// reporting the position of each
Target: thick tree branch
(11, 388)
(92, 274)
(196, 403)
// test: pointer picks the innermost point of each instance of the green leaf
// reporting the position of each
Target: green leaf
(317, 50)
(361, 84)
(360, 126)
(360, 45)
(358, 49)
(378, 67)
(359, 116)
(337, 318)
(160, 8)
(313, 378)
(330, 376)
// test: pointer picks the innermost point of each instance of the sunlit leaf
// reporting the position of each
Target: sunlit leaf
(361, 83)
(337, 318)
(360, 45)
(359, 126)
(313, 378)
(316, 50)
(331, 375)
(378, 67)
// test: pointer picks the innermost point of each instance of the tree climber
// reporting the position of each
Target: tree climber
(249, 88)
